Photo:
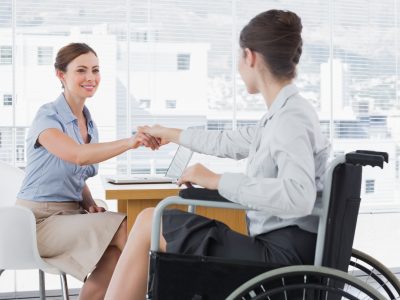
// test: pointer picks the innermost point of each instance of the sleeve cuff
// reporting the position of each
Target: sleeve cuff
(229, 185)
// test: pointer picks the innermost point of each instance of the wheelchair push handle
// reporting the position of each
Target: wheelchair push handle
(367, 158)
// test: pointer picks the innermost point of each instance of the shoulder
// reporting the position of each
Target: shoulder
(47, 114)
(297, 108)
(47, 109)
(297, 118)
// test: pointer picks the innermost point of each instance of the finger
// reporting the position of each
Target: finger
(163, 142)
(157, 141)
(92, 209)
(149, 141)
(180, 182)
(143, 129)
(144, 140)
(189, 184)
(152, 141)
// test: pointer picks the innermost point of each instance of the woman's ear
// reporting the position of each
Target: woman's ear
(60, 75)
(250, 57)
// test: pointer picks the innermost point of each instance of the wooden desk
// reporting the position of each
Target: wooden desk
(133, 198)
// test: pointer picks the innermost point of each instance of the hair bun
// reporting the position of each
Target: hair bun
(290, 19)
(276, 35)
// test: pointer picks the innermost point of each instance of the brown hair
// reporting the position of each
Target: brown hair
(276, 35)
(69, 52)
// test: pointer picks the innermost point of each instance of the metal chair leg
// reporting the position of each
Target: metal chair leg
(64, 286)
(42, 286)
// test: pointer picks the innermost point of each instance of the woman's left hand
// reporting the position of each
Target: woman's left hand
(95, 209)
(200, 175)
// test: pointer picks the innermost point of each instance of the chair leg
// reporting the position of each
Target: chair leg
(1, 271)
(64, 286)
(42, 286)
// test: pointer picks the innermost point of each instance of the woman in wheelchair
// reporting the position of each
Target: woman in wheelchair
(287, 156)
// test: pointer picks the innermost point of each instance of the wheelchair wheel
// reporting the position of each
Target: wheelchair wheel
(374, 273)
(304, 282)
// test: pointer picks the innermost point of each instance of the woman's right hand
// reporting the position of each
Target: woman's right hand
(143, 139)
(163, 134)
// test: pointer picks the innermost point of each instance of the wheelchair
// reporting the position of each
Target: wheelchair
(339, 272)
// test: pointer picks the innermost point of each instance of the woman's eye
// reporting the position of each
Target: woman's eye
(81, 70)
(96, 71)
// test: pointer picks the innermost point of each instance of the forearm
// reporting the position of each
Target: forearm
(67, 149)
(171, 134)
(86, 154)
(87, 199)
(217, 143)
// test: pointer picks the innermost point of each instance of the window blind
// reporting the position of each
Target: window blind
(173, 62)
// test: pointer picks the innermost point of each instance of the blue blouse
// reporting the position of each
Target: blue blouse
(47, 177)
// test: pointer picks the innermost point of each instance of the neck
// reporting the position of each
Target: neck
(75, 103)
(271, 88)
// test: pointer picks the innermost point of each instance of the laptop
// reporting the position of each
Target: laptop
(178, 164)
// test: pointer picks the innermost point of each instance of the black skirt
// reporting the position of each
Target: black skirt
(187, 233)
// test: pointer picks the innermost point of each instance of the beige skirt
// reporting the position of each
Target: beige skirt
(71, 239)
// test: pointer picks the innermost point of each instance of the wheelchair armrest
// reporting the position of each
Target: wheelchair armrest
(202, 194)
(158, 211)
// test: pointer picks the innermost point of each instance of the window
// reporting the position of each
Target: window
(183, 60)
(139, 36)
(45, 55)
(7, 100)
(186, 49)
(349, 69)
(170, 104)
(5, 55)
(144, 103)
(369, 186)
(20, 153)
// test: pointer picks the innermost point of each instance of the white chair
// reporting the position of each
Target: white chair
(101, 203)
(18, 245)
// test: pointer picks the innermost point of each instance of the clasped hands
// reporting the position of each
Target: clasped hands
(156, 136)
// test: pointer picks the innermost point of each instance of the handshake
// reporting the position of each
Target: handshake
(154, 136)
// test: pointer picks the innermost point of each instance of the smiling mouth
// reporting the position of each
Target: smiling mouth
(88, 87)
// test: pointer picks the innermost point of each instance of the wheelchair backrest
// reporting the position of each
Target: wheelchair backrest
(342, 216)
(343, 208)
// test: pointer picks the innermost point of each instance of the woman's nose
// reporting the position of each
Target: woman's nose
(90, 76)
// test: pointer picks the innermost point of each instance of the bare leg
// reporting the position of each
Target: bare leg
(97, 283)
(130, 276)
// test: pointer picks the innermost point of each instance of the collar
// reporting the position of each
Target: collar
(284, 94)
(65, 112)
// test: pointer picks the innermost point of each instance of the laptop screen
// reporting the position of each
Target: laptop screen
(179, 162)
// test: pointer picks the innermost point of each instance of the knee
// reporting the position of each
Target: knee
(145, 217)
(143, 221)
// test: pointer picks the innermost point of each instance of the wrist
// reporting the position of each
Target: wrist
(173, 135)
(216, 179)
(129, 143)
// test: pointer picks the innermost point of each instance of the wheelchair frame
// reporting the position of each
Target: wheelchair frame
(321, 209)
